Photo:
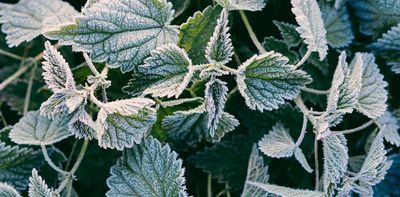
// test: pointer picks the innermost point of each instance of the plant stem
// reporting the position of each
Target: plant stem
(364, 126)
(90, 64)
(12, 55)
(304, 59)
(74, 168)
(300, 103)
(314, 91)
(209, 186)
(251, 32)
(228, 193)
(230, 70)
(316, 164)
(51, 164)
(29, 90)
(71, 154)
(303, 130)
(22, 70)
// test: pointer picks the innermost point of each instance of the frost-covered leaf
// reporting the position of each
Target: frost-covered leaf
(195, 34)
(219, 49)
(278, 143)
(351, 86)
(388, 46)
(120, 32)
(62, 102)
(335, 159)
(256, 172)
(312, 29)
(215, 98)
(376, 16)
(389, 126)
(389, 186)
(250, 5)
(147, 169)
(289, 33)
(226, 161)
(82, 125)
(35, 129)
(374, 167)
(272, 44)
(7, 190)
(266, 81)
(286, 191)
(28, 19)
(56, 71)
(191, 126)
(373, 95)
(168, 70)
(339, 32)
(38, 187)
(16, 164)
(122, 124)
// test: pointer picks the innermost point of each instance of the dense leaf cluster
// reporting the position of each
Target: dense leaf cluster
(180, 98)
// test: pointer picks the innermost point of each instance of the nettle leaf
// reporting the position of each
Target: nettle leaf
(312, 29)
(38, 187)
(195, 34)
(388, 46)
(250, 5)
(58, 77)
(373, 95)
(335, 159)
(389, 184)
(16, 164)
(147, 169)
(289, 33)
(374, 167)
(374, 16)
(106, 31)
(28, 19)
(35, 129)
(339, 32)
(168, 70)
(389, 126)
(56, 71)
(215, 97)
(256, 172)
(82, 125)
(226, 161)
(278, 144)
(272, 44)
(286, 191)
(7, 190)
(191, 127)
(122, 124)
(62, 103)
(219, 49)
(266, 81)
(351, 86)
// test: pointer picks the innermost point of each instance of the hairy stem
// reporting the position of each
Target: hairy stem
(316, 164)
(22, 70)
(314, 91)
(74, 168)
(303, 130)
(362, 127)
(90, 64)
(230, 70)
(12, 55)
(304, 59)
(71, 154)
(253, 36)
(51, 164)
(29, 90)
